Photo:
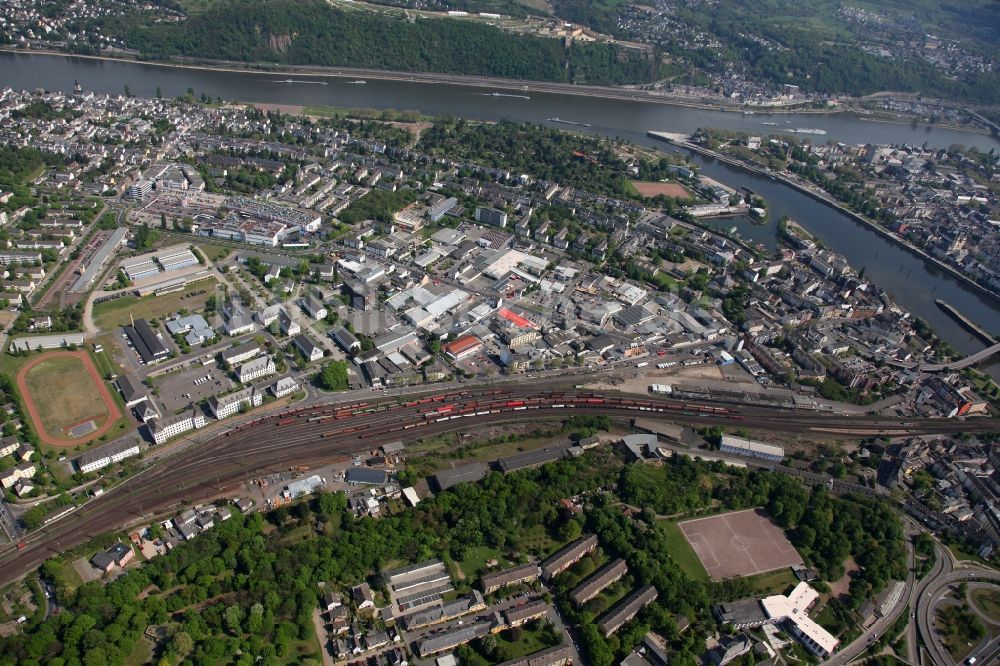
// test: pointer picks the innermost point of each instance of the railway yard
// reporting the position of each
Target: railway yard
(324, 433)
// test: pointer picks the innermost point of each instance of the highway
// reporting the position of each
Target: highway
(326, 433)
(934, 590)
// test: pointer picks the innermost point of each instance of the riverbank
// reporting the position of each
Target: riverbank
(598, 92)
(948, 126)
(820, 196)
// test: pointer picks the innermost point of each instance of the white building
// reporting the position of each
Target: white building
(8, 445)
(25, 470)
(101, 457)
(748, 448)
(792, 609)
(243, 352)
(284, 386)
(262, 366)
(288, 325)
(238, 320)
(228, 405)
(174, 259)
(269, 314)
(163, 429)
(53, 341)
(313, 307)
(309, 349)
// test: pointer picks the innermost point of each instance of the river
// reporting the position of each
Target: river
(913, 283)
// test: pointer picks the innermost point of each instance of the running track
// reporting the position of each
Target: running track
(29, 402)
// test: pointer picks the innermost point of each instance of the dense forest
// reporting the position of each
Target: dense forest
(313, 33)
(378, 205)
(548, 154)
(244, 591)
(17, 165)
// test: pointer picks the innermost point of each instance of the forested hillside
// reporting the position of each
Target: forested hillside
(313, 33)
(810, 44)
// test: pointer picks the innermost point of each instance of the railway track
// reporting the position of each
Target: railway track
(325, 433)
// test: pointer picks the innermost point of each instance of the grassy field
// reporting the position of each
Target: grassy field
(962, 553)
(772, 582)
(829, 621)
(960, 630)
(142, 653)
(475, 561)
(67, 578)
(536, 541)
(213, 252)
(380, 114)
(65, 394)
(10, 365)
(988, 602)
(112, 314)
(682, 552)
(530, 641)
(610, 596)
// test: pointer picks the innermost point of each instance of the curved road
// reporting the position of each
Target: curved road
(272, 443)
(971, 359)
(934, 592)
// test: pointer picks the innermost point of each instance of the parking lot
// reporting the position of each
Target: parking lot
(191, 385)
(484, 362)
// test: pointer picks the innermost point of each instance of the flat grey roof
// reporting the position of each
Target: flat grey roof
(534, 458)
(96, 263)
(365, 475)
(447, 478)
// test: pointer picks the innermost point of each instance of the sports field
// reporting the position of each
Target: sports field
(66, 398)
(737, 544)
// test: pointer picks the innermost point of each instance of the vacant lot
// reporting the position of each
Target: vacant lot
(62, 390)
(652, 189)
(112, 314)
(740, 543)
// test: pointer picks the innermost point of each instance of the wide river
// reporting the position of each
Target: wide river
(912, 282)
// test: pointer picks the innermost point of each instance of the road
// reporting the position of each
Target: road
(7, 521)
(943, 564)
(971, 359)
(931, 594)
(272, 444)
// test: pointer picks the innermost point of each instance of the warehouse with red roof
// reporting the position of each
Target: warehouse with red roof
(466, 345)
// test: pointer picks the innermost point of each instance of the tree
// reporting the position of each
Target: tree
(232, 616)
(489, 645)
(145, 237)
(596, 646)
(570, 530)
(255, 620)
(331, 503)
(333, 376)
(182, 644)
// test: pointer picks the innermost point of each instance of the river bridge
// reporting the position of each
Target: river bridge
(969, 360)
